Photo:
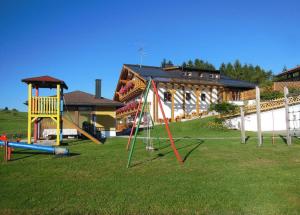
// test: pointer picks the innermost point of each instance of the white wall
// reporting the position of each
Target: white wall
(108, 134)
(268, 120)
(190, 106)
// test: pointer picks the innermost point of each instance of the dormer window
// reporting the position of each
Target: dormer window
(187, 74)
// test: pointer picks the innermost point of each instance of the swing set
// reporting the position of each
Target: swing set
(147, 117)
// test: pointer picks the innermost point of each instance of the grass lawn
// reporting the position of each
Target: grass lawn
(218, 177)
(13, 123)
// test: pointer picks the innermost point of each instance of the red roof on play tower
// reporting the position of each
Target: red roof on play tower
(45, 82)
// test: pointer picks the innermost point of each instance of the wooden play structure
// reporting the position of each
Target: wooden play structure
(40, 107)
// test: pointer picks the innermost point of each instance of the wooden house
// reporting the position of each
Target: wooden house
(185, 92)
(92, 113)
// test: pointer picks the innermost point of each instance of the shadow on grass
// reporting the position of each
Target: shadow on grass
(246, 139)
(159, 155)
(28, 154)
(283, 138)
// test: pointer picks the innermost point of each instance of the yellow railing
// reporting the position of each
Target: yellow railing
(44, 105)
(138, 87)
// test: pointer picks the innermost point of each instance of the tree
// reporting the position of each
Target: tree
(163, 63)
(199, 64)
(190, 63)
(247, 72)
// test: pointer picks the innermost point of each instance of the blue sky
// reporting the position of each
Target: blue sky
(79, 41)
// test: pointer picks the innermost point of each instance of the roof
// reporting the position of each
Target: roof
(296, 69)
(45, 82)
(174, 74)
(79, 98)
(229, 82)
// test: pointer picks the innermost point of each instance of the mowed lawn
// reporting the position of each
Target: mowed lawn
(219, 176)
(13, 123)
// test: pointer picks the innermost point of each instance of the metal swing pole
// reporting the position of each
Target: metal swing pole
(167, 124)
(138, 123)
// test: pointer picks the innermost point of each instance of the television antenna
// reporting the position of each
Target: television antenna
(142, 53)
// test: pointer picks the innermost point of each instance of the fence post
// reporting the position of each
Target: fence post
(259, 137)
(287, 116)
(243, 136)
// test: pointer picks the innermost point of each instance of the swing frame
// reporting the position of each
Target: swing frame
(139, 114)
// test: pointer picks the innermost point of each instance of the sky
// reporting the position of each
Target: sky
(79, 41)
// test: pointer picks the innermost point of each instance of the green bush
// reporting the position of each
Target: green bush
(294, 91)
(270, 95)
(224, 108)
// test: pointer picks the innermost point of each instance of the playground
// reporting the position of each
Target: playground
(219, 176)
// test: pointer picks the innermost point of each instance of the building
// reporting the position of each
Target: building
(289, 75)
(92, 113)
(289, 78)
(185, 92)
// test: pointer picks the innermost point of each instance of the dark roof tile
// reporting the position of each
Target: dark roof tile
(163, 75)
(45, 82)
(79, 98)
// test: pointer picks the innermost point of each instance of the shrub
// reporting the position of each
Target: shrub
(223, 108)
(270, 95)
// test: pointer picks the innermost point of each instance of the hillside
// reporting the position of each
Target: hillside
(13, 123)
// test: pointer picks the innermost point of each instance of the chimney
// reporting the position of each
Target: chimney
(98, 88)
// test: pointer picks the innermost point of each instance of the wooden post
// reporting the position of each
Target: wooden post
(287, 116)
(29, 114)
(173, 92)
(259, 136)
(183, 100)
(211, 95)
(58, 115)
(156, 105)
(36, 121)
(153, 105)
(197, 92)
(243, 135)
(224, 95)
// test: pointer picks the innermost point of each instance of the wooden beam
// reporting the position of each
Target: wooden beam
(243, 135)
(173, 92)
(259, 137)
(124, 81)
(197, 94)
(183, 99)
(287, 116)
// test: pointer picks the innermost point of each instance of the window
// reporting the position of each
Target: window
(201, 75)
(188, 96)
(167, 96)
(187, 74)
(203, 96)
(211, 75)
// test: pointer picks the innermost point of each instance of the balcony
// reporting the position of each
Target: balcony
(131, 90)
(131, 109)
(44, 105)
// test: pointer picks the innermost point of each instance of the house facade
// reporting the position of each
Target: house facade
(184, 92)
(92, 113)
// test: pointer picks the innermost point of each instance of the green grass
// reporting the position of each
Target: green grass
(13, 123)
(218, 177)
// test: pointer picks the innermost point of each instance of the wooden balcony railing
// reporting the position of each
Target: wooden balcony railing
(138, 87)
(267, 105)
(44, 105)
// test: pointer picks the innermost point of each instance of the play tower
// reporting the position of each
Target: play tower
(40, 107)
